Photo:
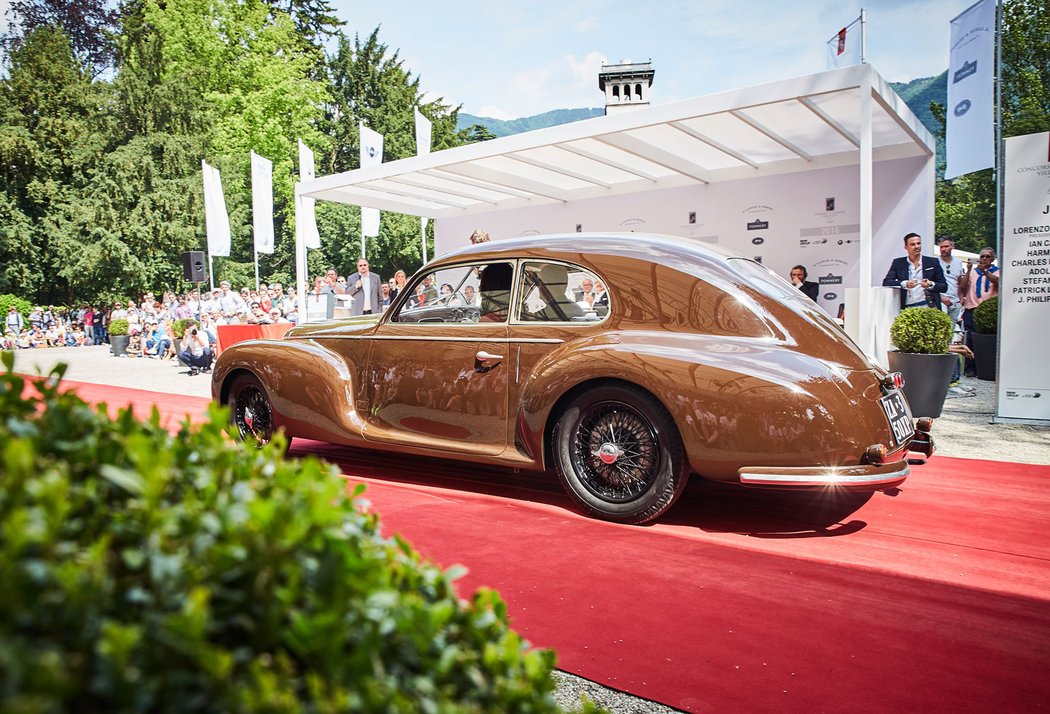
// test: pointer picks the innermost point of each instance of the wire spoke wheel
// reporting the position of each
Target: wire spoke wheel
(615, 452)
(618, 453)
(251, 413)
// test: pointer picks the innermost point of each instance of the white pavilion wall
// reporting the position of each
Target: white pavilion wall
(809, 218)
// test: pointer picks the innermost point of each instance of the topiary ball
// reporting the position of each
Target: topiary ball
(986, 316)
(922, 330)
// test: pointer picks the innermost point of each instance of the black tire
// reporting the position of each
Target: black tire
(251, 413)
(619, 455)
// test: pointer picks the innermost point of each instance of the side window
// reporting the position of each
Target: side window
(553, 292)
(462, 293)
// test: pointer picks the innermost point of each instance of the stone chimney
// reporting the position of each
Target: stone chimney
(626, 85)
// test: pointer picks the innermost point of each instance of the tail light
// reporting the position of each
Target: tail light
(893, 380)
(875, 454)
(924, 424)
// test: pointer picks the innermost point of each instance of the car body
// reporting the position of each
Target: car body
(693, 360)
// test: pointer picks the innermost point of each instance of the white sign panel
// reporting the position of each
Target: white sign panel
(1024, 302)
(306, 214)
(843, 49)
(970, 132)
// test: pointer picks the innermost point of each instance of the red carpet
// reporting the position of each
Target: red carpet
(931, 599)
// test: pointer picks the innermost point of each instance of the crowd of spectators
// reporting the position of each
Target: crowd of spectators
(151, 322)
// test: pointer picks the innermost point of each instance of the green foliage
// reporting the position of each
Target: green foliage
(986, 316)
(119, 326)
(145, 571)
(178, 328)
(922, 330)
(23, 306)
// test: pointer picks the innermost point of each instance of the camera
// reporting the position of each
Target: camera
(194, 332)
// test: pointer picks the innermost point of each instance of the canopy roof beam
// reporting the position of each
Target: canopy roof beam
(661, 157)
(763, 129)
(580, 151)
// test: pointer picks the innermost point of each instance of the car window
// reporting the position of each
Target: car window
(555, 292)
(462, 293)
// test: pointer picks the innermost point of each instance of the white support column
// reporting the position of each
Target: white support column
(866, 301)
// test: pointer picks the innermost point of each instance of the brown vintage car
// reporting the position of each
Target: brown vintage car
(624, 361)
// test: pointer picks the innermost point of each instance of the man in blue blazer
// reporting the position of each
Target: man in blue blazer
(919, 276)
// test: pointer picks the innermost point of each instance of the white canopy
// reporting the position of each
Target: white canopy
(788, 126)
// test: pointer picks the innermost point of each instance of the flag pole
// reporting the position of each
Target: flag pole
(863, 36)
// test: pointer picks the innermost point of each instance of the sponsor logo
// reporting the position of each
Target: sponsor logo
(829, 203)
(758, 258)
(371, 151)
(757, 209)
(962, 107)
(529, 232)
(831, 296)
(579, 228)
(830, 279)
(965, 71)
(847, 241)
(757, 225)
(805, 242)
(829, 262)
(632, 222)
(1023, 394)
(758, 240)
(692, 216)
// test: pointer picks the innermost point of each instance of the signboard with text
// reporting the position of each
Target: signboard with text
(1024, 303)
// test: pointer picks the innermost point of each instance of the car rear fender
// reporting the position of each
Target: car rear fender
(311, 387)
(734, 400)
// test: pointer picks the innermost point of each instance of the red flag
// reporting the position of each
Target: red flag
(842, 41)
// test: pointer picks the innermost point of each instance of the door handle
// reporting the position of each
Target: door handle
(482, 360)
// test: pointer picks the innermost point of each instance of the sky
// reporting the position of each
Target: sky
(508, 60)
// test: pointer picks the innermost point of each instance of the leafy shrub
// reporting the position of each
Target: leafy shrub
(986, 316)
(179, 326)
(141, 571)
(118, 326)
(23, 306)
(922, 330)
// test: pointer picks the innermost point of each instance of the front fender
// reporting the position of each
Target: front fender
(310, 387)
(735, 401)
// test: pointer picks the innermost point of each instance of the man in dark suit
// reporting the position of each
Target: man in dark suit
(919, 276)
(798, 279)
(364, 289)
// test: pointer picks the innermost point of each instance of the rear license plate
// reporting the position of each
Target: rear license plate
(898, 415)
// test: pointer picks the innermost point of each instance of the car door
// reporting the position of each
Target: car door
(438, 366)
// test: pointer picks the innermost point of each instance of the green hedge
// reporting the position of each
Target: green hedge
(141, 571)
(23, 306)
(922, 330)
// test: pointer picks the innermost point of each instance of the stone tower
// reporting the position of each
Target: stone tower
(626, 85)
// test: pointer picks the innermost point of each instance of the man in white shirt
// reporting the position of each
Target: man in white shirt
(953, 270)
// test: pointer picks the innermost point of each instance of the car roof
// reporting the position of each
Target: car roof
(651, 247)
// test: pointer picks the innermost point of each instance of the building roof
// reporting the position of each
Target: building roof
(781, 127)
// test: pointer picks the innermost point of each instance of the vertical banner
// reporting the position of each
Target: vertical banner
(1024, 289)
(262, 203)
(843, 49)
(216, 220)
(307, 222)
(970, 130)
(424, 136)
(371, 155)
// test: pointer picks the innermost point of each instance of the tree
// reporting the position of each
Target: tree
(369, 84)
(89, 24)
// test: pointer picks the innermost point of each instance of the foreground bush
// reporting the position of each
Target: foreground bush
(145, 572)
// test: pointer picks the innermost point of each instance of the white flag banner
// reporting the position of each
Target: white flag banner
(262, 203)
(308, 220)
(216, 220)
(371, 155)
(844, 46)
(970, 130)
(424, 137)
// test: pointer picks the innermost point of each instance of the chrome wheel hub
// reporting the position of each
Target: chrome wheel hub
(609, 453)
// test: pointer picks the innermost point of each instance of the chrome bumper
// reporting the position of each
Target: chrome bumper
(863, 477)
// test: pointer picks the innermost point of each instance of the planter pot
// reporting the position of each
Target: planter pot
(984, 354)
(926, 379)
(119, 344)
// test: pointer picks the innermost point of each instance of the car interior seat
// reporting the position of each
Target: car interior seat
(561, 308)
